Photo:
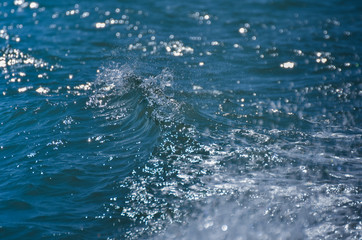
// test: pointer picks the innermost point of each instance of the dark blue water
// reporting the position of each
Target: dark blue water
(180, 120)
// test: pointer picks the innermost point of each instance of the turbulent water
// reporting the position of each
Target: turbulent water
(180, 119)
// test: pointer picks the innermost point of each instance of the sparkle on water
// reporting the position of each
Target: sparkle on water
(190, 120)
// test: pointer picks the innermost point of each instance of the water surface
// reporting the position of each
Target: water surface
(188, 120)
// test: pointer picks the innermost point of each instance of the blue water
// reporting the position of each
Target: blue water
(180, 119)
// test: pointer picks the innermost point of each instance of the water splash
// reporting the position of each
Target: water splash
(120, 81)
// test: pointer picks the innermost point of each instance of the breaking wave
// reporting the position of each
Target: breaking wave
(222, 184)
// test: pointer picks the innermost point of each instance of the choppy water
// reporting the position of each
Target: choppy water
(180, 120)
